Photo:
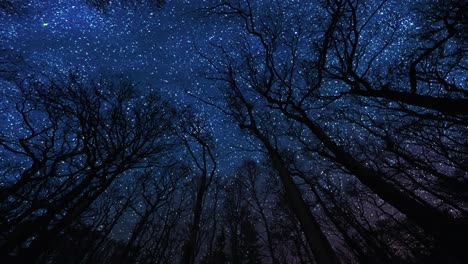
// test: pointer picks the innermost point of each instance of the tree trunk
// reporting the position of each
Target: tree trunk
(448, 231)
(190, 246)
(316, 239)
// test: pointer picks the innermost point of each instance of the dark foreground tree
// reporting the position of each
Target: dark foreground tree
(73, 140)
(355, 110)
(379, 101)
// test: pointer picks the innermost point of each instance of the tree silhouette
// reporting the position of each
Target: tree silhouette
(352, 144)
(199, 145)
(75, 141)
(402, 109)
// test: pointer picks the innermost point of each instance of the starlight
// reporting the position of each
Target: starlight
(360, 97)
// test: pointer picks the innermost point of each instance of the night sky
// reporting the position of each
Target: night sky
(167, 49)
(155, 48)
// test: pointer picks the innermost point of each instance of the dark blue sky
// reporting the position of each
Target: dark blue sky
(152, 47)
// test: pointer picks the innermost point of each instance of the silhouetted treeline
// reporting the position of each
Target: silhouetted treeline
(359, 154)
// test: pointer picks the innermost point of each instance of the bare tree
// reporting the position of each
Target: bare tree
(199, 145)
(243, 110)
(241, 232)
(410, 109)
(75, 139)
(251, 174)
(157, 187)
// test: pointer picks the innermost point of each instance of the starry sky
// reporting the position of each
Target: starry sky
(156, 48)
(160, 48)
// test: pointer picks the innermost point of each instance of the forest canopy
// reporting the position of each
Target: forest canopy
(321, 131)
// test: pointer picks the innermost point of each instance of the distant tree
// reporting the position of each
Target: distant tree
(199, 146)
(252, 176)
(156, 188)
(249, 240)
(242, 233)
(103, 216)
(219, 254)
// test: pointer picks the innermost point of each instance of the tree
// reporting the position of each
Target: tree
(403, 108)
(75, 138)
(219, 255)
(238, 219)
(157, 187)
(199, 145)
(252, 175)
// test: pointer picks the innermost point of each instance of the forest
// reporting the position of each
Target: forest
(350, 145)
